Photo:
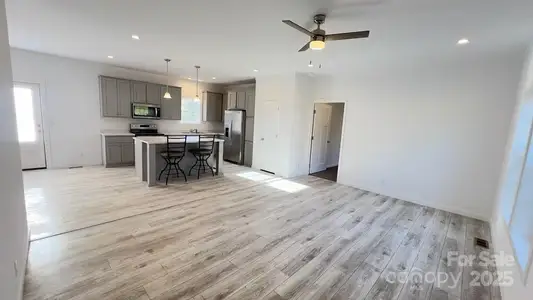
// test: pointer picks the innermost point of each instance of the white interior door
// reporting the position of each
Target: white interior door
(319, 140)
(29, 125)
(268, 137)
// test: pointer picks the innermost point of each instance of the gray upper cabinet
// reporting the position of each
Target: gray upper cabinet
(241, 99)
(171, 108)
(109, 97)
(115, 96)
(153, 94)
(124, 98)
(250, 103)
(213, 107)
(138, 91)
(232, 100)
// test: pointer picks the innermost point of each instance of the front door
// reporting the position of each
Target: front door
(320, 138)
(29, 125)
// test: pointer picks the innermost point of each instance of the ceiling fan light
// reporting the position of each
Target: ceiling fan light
(317, 45)
(167, 95)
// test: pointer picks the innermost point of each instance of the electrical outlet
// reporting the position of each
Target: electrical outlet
(16, 266)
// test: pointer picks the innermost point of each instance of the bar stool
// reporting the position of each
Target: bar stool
(174, 153)
(206, 144)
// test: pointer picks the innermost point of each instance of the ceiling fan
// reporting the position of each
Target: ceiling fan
(319, 36)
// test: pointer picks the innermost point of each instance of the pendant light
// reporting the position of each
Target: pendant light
(197, 98)
(167, 94)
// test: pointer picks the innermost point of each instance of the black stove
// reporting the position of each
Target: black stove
(148, 134)
(144, 130)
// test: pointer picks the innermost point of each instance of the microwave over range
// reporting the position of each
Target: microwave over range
(145, 111)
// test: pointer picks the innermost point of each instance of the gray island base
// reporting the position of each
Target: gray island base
(148, 161)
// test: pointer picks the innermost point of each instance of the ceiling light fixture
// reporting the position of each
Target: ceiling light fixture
(463, 42)
(317, 45)
(167, 94)
(256, 70)
(110, 56)
(310, 65)
(214, 78)
(190, 78)
(135, 37)
(197, 98)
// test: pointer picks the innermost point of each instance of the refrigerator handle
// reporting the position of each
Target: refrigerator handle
(227, 130)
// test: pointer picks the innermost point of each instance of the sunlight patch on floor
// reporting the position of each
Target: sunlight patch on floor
(255, 176)
(287, 186)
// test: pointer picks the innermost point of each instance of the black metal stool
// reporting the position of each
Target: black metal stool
(206, 144)
(176, 150)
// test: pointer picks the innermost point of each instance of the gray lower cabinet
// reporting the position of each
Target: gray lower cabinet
(113, 154)
(212, 107)
(248, 153)
(118, 151)
(153, 94)
(171, 108)
(128, 156)
(115, 95)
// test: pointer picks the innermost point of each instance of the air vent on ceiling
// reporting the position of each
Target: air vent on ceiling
(481, 243)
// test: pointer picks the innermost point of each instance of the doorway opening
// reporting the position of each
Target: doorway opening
(29, 125)
(326, 140)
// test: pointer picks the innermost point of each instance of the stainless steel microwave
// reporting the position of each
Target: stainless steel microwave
(145, 111)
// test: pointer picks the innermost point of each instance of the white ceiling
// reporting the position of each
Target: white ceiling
(230, 38)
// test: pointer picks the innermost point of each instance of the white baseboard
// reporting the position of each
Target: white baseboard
(21, 291)
(440, 207)
(454, 210)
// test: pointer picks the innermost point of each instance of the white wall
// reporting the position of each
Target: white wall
(433, 134)
(335, 134)
(71, 104)
(509, 183)
(13, 226)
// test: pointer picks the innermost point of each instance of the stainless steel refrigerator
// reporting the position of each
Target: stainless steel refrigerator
(234, 133)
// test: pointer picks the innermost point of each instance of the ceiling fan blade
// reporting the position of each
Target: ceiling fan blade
(348, 35)
(305, 47)
(298, 27)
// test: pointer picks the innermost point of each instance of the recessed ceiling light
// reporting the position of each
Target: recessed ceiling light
(214, 78)
(463, 42)
(256, 70)
(135, 37)
(189, 78)
(110, 56)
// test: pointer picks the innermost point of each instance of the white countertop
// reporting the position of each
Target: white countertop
(193, 133)
(156, 140)
(116, 133)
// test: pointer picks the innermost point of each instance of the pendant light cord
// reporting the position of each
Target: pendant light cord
(197, 69)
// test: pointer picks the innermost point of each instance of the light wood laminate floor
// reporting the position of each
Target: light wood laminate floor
(101, 234)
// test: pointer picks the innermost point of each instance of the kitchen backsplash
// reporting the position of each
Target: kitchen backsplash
(115, 124)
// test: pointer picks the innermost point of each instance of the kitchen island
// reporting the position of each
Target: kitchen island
(148, 161)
